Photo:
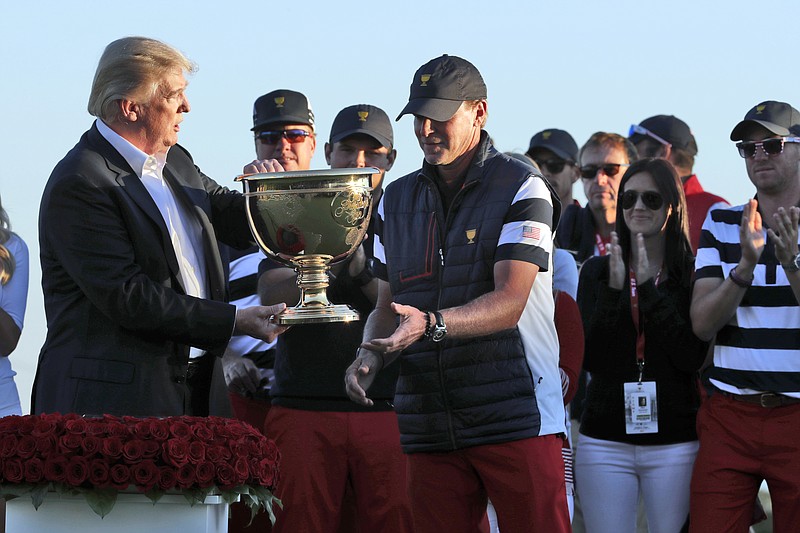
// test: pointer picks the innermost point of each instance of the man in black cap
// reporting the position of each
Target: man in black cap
(556, 154)
(283, 126)
(670, 138)
(330, 445)
(463, 251)
(747, 296)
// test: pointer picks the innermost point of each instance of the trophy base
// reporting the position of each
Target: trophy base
(316, 315)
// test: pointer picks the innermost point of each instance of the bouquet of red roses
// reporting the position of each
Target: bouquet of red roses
(98, 457)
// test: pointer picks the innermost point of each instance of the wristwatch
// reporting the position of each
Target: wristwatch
(365, 276)
(439, 330)
(793, 265)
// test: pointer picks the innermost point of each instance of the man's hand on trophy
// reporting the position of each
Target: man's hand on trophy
(263, 165)
(258, 322)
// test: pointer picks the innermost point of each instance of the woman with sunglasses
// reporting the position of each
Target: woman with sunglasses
(13, 299)
(637, 433)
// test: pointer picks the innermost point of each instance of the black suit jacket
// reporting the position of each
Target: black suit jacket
(119, 323)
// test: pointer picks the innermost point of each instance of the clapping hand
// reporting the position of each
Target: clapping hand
(751, 237)
(784, 234)
(616, 264)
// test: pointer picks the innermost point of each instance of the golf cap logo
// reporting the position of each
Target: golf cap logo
(425, 79)
(362, 116)
(759, 109)
(546, 135)
(279, 100)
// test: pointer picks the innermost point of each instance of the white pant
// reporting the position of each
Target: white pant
(609, 476)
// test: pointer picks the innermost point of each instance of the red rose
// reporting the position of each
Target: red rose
(91, 445)
(76, 426)
(55, 469)
(69, 443)
(203, 433)
(176, 452)
(99, 473)
(117, 429)
(205, 474)
(217, 454)
(96, 427)
(151, 449)
(241, 469)
(9, 424)
(226, 476)
(159, 430)
(167, 479)
(77, 471)
(34, 470)
(185, 476)
(43, 427)
(13, 472)
(133, 450)
(8, 445)
(197, 452)
(26, 446)
(141, 429)
(145, 475)
(120, 476)
(45, 445)
(180, 430)
(112, 447)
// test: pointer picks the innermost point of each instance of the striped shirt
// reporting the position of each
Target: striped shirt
(759, 349)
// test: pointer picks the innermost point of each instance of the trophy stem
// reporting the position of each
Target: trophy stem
(312, 279)
(314, 307)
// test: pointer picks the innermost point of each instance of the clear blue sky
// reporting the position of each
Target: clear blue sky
(582, 66)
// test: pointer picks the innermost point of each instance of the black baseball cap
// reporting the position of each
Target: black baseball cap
(282, 107)
(366, 119)
(671, 129)
(778, 117)
(441, 85)
(559, 142)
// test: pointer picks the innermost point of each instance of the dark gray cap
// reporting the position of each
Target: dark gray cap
(778, 117)
(441, 85)
(282, 107)
(366, 119)
(559, 142)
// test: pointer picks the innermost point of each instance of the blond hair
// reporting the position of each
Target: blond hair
(7, 263)
(132, 68)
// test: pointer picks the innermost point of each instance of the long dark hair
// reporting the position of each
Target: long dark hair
(678, 256)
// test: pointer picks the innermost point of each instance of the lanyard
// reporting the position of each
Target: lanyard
(602, 244)
(636, 324)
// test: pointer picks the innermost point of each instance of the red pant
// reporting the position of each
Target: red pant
(524, 479)
(321, 452)
(254, 412)
(740, 445)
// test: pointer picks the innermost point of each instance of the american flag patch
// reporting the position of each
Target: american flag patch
(531, 232)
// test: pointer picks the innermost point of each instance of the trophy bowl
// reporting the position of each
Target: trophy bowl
(309, 220)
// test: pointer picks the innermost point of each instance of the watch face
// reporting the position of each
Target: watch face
(797, 262)
(438, 334)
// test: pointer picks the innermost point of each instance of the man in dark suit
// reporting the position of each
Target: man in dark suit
(132, 278)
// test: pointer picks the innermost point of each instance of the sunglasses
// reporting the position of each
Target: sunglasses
(609, 169)
(273, 137)
(636, 128)
(553, 166)
(747, 149)
(651, 200)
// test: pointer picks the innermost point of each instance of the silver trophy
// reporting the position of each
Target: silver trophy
(309, 220)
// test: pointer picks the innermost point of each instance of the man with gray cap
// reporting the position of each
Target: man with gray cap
(747, 296)
(668, 137)
(463, 252)
(556, 154)
(330, 445)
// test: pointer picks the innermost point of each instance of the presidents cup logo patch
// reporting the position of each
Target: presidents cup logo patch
(546, 135)
(279, 100)
(759, 109)
(471, 233)
(362, 116)
(425, 78)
